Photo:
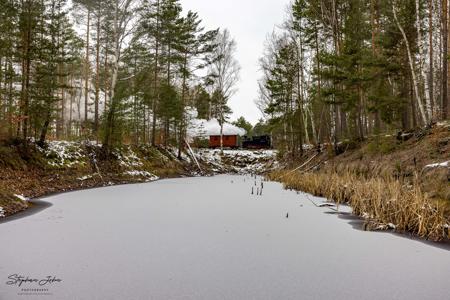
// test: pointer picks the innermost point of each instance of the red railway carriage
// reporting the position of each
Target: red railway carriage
(229, 141)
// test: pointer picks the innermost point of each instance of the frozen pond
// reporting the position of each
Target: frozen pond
(208, 238)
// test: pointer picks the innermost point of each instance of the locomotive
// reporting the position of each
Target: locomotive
(257, 142)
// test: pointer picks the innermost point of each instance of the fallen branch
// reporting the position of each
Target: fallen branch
(193, 156)
(296, 169)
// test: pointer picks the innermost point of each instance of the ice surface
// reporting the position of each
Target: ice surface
(209, 238)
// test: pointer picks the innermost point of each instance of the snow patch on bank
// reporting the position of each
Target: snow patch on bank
(63, 153)
(2, 212)
(238, 161)
(84, 178)
(21, 197)
(128, 159)
(445, 164)
(148, 175)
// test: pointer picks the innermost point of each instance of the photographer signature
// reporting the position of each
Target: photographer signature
(18, 280)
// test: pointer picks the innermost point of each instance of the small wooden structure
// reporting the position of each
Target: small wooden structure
(229, 141)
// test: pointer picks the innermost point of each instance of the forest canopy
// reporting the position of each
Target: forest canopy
(340, 70)
(110, 70)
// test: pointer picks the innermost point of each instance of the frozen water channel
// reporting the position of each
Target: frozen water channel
(209, 238)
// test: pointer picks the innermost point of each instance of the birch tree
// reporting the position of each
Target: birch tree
(225, 71)
(122, 21)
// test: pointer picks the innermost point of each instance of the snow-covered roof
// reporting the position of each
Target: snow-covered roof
(205, 128)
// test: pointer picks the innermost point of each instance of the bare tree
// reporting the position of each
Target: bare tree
(225, 70)
(411, 64)
(122, 15)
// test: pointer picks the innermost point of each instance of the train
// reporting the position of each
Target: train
(237, 142)
(257, 142)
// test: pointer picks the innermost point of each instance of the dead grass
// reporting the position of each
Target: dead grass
(385, 202)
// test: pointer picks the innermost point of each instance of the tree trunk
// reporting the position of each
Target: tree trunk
(183, 103)
(115, 70)
(86, 70)
(444, 59)
(431, 57)
(26, 67)
(97, 76)
(45, 128)
(413, 72)
(156, 98)
(10, 100)
(72, 96)
(424, 78)
(446, 106)
(106, 81)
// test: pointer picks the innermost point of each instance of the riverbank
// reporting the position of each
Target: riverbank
(399, 183)
(28, 171)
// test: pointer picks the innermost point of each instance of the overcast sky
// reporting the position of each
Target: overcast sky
(249, 22)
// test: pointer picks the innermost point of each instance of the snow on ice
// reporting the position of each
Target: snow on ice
(208, 238)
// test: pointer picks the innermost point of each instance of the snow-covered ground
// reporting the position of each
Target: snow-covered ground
(445, 164)
(63, 153)
(145, 174)
(238, 161)
(209, 238)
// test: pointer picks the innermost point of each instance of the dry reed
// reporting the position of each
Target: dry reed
(383, 202)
